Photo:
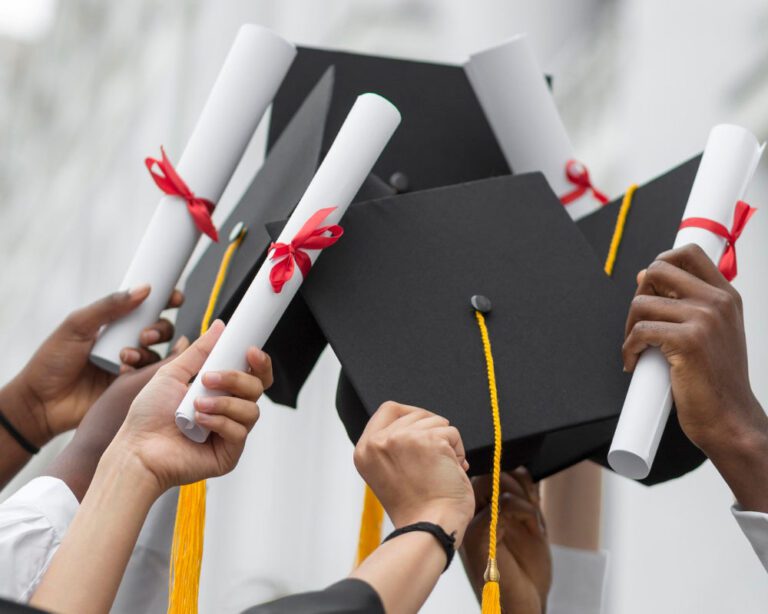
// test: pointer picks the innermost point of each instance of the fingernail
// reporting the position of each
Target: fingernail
(212, 378)
(138, 291)
(200, 417)
(260, 355)
(205, 403)
(218, 323)
(150, 336)
(180, 343)
(129, 356)
(624, 368)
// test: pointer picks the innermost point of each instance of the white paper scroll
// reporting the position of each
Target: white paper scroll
(729, 161)
(247, 83)
(513, 92)
(357, 146)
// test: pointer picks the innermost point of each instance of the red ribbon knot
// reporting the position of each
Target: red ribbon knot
(310, 236)
(578, 175)
(172, 184)
(741, 216)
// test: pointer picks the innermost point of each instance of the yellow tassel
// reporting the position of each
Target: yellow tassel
(187, 550)
(371, 522)
(618, 230)
(491, 598)
(189, 530)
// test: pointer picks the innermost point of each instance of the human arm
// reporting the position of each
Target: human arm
(414, 462)
(686, 308)
(149, 455)
(53, 391)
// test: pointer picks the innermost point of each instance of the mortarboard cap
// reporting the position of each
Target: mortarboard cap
(393, 299)
(444, 138)
(650, 228)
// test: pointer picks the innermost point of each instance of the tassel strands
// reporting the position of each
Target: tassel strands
(371, 522)
(189, 529)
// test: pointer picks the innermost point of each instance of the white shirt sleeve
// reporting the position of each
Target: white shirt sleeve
(578, 581)
(33, 522)
(755, 527)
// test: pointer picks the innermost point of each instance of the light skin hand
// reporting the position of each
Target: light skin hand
(397, 445)
(146, 457)
(415, 463)
(687, 309)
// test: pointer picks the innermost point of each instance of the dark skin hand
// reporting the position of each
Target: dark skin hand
(59, 384)
(523, 554)
(686, 308)
(76, 464)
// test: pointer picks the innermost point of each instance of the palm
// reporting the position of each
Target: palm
(63, 380)
(163, 446)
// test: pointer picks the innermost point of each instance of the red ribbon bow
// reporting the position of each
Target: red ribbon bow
(741, 216)
(169, 182)
(578, 175)
(310, 236)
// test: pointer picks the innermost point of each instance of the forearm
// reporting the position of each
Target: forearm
(571, 504)
(76, 466)
(87, 569)
(404, 571)
(19, 411)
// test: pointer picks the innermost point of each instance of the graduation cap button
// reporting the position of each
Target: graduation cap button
(481, 303)
(237, 231)
(399, 181)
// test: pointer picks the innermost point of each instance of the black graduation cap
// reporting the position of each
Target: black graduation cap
(273, 193)
(651, 226)
(444, 138)
(393, 299)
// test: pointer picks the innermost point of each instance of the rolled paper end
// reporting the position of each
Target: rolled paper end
(385, 106)
(629, 464)
(190, 429)
(104, 363)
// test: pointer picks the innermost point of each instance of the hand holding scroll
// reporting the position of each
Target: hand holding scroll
(686, 308)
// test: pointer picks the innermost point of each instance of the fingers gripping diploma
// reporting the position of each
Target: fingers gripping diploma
(686, 308)
(150, 430)
(414, 461)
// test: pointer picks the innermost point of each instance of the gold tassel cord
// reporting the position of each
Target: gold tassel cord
(189, 529)
(618, 230)
(491, 600)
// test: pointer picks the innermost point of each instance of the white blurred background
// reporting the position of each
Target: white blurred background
(89, 88)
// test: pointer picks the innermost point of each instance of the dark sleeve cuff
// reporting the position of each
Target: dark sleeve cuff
(350, 596)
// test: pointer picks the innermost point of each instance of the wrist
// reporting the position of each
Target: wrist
(20, 406)
(121, 458)
(445, 514)
(741, 457)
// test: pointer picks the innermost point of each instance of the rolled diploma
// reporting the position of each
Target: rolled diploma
(513, 93)
(361, 139)
(730, 158)
(247, 83)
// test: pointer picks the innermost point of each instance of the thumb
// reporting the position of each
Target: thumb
(86, 321)
(190, 361)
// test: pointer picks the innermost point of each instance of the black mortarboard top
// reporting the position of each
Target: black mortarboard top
(651, 226)
(277, 187)
(393, 299)
(444, 138)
